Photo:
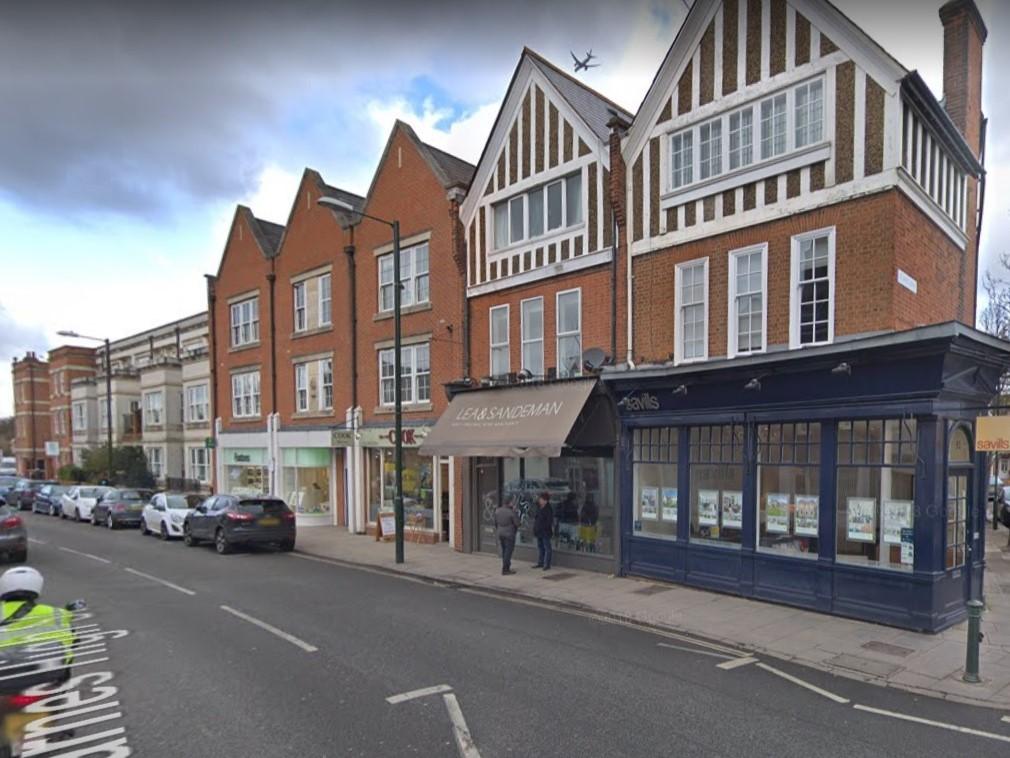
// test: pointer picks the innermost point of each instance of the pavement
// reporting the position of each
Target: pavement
(925, 664)
(263, 653)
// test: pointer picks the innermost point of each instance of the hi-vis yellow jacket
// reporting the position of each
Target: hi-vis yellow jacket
(46, 631)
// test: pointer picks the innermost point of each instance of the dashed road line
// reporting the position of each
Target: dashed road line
(403, 697)
(928, 722)
(464, 742)
(686, 649)
(175, 587)
(801, 683)
(86, 555)
(737, 663)
(1006, 719)
(37, 542)
(272, 629)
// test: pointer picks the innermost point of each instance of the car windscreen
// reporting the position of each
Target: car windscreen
(7, 481)
(181, 502)
(56, 489)
(131, 495)
(90, 492)
(259, 507)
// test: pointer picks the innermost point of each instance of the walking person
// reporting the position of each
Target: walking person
(506, 524)
(543, 530)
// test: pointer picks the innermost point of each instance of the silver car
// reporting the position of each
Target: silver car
(13, 535)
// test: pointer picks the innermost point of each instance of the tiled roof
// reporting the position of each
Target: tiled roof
(457, 171)
(595, 109)
(355, 201)
(272, 234)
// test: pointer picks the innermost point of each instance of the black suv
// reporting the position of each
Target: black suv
(231, 520)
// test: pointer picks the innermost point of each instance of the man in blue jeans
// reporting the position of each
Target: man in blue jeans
(543, 530)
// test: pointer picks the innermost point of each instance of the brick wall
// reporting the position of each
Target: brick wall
(31, 413)
(66, 364)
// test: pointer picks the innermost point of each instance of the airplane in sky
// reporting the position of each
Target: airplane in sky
(582, 65)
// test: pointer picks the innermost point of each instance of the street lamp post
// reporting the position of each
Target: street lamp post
(346, 208)
(108, 396)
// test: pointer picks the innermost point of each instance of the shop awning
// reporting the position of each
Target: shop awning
(529, 420)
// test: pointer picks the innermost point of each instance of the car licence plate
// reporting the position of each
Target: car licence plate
(269, 521)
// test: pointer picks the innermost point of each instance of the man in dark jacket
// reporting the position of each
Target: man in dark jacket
(543, 530)
(506, 523)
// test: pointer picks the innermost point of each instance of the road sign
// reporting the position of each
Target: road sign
(210, 443)
(53, 449)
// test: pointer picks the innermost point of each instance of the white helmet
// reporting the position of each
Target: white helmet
(20, 581)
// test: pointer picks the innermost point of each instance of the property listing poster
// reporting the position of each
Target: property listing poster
(861, 519)
(777, 513)
(669, 502)
(708, 507)
(897, 515)
(732, 509)
(807, 509)
(649, 503)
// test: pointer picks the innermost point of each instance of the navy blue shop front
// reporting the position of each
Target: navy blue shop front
(840, 478)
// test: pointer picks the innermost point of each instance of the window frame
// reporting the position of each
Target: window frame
(410, 281)
(244, 316)
(154, 416)
(546, 231)
(300, 301)
(522, 334)
(325, 292)
(795, 303)
(325, 367)
(732, 315)
(678, 347)
(301, 387)
(413, 374)
(157, 468)
(246, 403)
(559, 334)
(191, 405)
(196, 466)
(496, 311)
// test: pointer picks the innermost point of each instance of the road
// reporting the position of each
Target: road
(195, 679)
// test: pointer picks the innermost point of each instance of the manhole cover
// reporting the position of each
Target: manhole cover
(557, 577)
(652, 589)
(888, 649)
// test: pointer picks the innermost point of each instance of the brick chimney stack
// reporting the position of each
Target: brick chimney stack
(964, 34)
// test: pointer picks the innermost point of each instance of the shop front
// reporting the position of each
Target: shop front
(840, 478)
(521, 441)
(246, 470)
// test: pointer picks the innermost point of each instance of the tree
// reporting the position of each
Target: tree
(995, 317)
(7, 435)
(129, 466)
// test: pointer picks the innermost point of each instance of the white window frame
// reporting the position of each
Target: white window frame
(154, 413)
(732, 319)
(80, 417)
(713, 166)
(808, 86)
(301, 387)
(522, 334)
(325, 366)
(155, 463)
(245, 322)
(493, 311)
(559, 335)
(198, 467)
(794, 287)
(678, 347)
(415, 386)
(566, 223)
(300, 299)
(325, 286)
(197, 403)
(410, 282)
(245, 394)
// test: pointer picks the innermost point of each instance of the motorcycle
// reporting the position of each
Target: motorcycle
(27, 661)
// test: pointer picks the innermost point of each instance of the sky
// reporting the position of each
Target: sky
(129, 131)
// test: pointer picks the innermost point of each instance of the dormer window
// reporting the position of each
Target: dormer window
(526, 216)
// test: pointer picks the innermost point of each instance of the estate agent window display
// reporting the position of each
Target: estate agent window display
(716, 474)
(788, 481)
(654, 464)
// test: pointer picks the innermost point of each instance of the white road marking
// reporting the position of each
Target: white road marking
(30, 749)
(464, 742)
(89, 649)
(801, 683)
(730, 665)
(86, 555)
(175, 587)
(54, 668)
(272, 629)
(413, 694)
(37, 542)
(937, 724)
(1006, 719)
(693, 650)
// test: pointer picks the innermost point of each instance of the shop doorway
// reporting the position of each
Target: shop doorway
(445, 495)
(962, 518)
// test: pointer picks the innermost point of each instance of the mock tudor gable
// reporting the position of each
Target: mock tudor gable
(766, 108)
(539, 203)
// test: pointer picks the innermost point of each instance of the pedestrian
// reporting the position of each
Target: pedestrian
(543, 530)
(506, 524)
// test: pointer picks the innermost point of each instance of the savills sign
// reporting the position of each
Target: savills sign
(644, 401)
(992, 434)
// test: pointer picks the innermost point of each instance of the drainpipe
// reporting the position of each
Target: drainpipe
(631, 308)
(613, 293)
(212, 357)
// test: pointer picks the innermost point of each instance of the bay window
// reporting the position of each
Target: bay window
(199, 464)
(153, 408)
(681, 159)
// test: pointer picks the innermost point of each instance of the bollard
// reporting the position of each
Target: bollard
(974, 637)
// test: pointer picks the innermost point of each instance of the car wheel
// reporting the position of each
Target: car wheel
(109, 522)
(77, 516)
(164, 532)
(94, 519)
(221, 543)
(143, 528)
(287, 546)
(187, 537)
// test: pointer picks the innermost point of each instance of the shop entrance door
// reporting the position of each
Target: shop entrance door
(444, 495)
(486, 486)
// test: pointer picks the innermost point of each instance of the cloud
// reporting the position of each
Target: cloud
(15, 340)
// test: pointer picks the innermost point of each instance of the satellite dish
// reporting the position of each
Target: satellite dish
(593, 359)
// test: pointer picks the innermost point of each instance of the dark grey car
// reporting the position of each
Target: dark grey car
(48, 500)
(120, 507)
(230, 520)
(13, 535)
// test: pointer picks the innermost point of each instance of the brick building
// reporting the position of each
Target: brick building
(67, 364)
(32, 426)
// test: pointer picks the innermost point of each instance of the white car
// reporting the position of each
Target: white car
(79, 502)
(165, 514)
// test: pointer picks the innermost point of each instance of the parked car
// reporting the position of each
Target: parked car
(49, 499)
(28, 493)
(166, 513)
(78, 502)
(8, 466)
(7, 484)
(230, 520)
(120, 507)
(13, 535)
(14, 491)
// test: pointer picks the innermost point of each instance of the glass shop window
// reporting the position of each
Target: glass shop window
(716, 475)
(788, 481)
(654, 456)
